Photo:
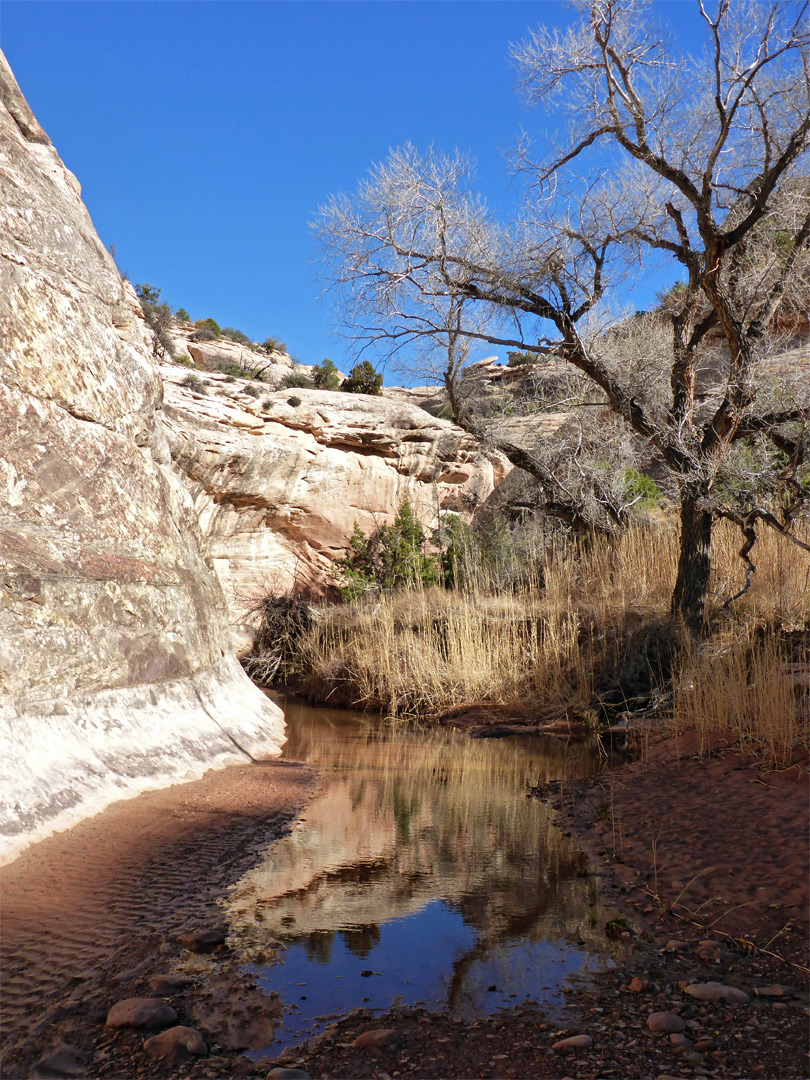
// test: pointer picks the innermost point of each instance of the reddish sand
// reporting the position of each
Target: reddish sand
(721, 841)
(85, 905)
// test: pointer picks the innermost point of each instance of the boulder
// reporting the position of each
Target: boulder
(116, 669)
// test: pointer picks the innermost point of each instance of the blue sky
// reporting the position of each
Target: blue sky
(206, 134)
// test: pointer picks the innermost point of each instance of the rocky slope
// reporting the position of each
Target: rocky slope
(116, 671)
(279, 480)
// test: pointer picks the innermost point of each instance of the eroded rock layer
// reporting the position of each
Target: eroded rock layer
(116, 672)
(280, 480)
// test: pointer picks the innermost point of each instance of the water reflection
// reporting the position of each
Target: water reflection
(422, 873)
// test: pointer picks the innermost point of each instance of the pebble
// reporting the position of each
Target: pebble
(176, 1045)
(288, 1074)
(715, 991)
(376, 1039)
(167, 984)
(201, 941)
(680, 1041)
(666, 1022)
(65, 1061)
(675, 946)
(775, 990)
(703, 1046)
(637, 984)
(141, 1013)
(573, 1042)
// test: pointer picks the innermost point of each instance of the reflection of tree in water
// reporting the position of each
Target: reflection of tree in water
(360, 940)
(512, 909)
(318, 946)
(463, 827)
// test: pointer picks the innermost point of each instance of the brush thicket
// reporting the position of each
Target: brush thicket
(585, 632)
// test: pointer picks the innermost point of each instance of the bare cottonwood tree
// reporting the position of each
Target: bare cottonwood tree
(702, 159)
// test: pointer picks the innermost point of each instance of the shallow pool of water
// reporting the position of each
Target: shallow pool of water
(421, 874)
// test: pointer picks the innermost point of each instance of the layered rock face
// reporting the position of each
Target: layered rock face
(279, 481)
(116, 671)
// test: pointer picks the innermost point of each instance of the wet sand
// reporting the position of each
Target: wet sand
(719, 839)
(111, 895)
(707, 857)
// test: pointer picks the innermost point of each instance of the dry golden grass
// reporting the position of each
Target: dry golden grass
(751, 686)
(596, 638)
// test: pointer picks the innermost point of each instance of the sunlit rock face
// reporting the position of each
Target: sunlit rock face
(280, 479)
(116, 672)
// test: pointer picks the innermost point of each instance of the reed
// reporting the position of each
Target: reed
(748, 686)
(587, 634)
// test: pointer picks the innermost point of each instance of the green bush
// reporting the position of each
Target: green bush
(235, 335)
(637, 485)
(363, 379)
(210, 325)
(158, 318)
(239, 371)
(272, 344)
(325, 376)
(194, 382)
(184, 360)
(268, 403)
(520, 359)
(252, 389)
(298, 380)
(389, 559)
(148, 294)
(294, 402)
(183, 316)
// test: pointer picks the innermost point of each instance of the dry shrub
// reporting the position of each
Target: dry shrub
(594, 638)
(588, 635)
(281, 622)
(749, 686)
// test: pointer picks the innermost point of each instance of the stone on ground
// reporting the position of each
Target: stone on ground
(715, 991)
(573, 1042)
(176, 1045)
(141, 1013)
(64, 1061)
(201, 941)
(665, 1022)
(168, 984)
(376, 1039)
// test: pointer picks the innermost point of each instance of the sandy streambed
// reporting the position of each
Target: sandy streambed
(88, 914)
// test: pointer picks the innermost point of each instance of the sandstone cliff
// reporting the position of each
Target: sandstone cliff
(279, 480)
(116, 671)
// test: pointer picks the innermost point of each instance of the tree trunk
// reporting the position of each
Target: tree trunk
(694, 564)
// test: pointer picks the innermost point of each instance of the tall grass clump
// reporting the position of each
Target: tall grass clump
(751, 686)
(580, 629)
(546, 627)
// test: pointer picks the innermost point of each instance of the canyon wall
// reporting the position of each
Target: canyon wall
(116, 668)
(280, 477)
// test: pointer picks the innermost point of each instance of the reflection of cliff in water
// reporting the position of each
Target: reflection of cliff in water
(406, 818)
